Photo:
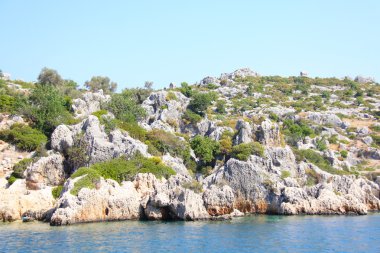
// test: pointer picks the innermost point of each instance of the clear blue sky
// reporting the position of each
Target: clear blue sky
(172, 41)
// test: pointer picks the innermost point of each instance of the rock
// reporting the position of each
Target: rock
(175, 163)
(242, 73)
(107, 203)
(362, 79)
(17, 201)
(89, 103)
(164, 111)
(209, 80)
(176, 202)
(47, 171)
(326, 119)
(219, 201)
(362, 131)
(244, 134)
(367, 140)
(62, 138)
(268, 133)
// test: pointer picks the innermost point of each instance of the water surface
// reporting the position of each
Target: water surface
(258, 233)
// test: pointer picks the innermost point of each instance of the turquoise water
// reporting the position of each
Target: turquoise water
(258, 233)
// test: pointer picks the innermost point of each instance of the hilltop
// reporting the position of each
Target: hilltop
(226, 146)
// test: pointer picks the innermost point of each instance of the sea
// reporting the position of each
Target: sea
(256, 233)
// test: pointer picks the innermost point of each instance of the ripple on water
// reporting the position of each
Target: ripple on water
(258, 233)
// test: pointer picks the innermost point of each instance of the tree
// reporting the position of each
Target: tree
(205, 148)
(148, 85)
(49, 77)
(186, 89)
(125, 107)
(200, 102)
(46, 108)
(101, 83)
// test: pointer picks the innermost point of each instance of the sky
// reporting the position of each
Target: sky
(173, 41)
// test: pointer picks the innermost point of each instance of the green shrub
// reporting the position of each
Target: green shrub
(191, 117)
(221, 106)
(119, 169)
(205, 148)
(20, 167)
(200, 102)
(100, 113)
(171, 96)
(126, 107)
(285, 174)
(244, 150)
(376, 139)
(133, 129)
(211, 86)
(23, 136)
(186, 89)
(56, 191)
(319, 161)
(11, 180)
(321, 144)
(344, 153)
(47, 108)
(296, 131)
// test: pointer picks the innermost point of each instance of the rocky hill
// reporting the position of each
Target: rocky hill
(238, 144)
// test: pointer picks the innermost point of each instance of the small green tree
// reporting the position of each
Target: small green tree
(205, 148)
(200, 102)
(125, 107)
(101, 83)
(186, 89)
(49, 77)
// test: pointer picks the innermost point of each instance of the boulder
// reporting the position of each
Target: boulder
(17, 201)
(175, 163)
(61, 139)
(89, 103)
(108, 202)
(47, 171)
(244, 134)
(268, 133)
(219, 201)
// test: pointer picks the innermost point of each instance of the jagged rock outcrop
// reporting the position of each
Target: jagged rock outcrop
(326, 119)
(47, 171)
(164, 110)
(100, 145)
(268, 133)
(108, 202)
(219, 200)
(17, 201)
(175, 163)
(90, 102)
(244, 134)
(260, 185)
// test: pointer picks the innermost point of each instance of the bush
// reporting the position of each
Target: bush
(321, 144)
(344, 153)
(191, 117)
(296, 131)
(200, 102)
(221, 106)
(100, 113)
(319, 161)
(171, 96)
(125, 107)
(285, 174)
(205, 148)
(56, 191)
(133, 129)
(244, 150)
(186, 89)
(11, 180)
(47, 108)
(20, 167)
(119, 169)
(23, 136)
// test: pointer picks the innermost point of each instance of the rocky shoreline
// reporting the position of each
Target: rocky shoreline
(271, 180)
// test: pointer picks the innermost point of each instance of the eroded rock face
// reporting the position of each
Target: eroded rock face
(108, 202)
(17, 201)
(47, 171)
(219, 201)
(244, 134)
(261, 186)
(164, 110)
(326, 119)
(89, 103)
(175, 163)
(268, 133)
(100, 145)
